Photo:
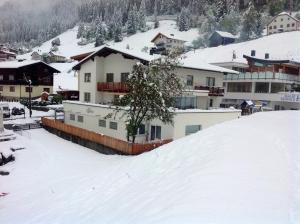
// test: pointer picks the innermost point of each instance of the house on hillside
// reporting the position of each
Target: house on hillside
(14, 76)
(36, 56)
(283, 22)
(55, 58)
(221, 38)
(269, 83)
(164, 43)
(102, 80)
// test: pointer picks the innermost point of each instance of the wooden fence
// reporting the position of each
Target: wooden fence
(113, 143)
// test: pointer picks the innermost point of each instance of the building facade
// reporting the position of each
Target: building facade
(14, 78)
(102, 79)
(273, 84)
(164, 43)
(283, 22)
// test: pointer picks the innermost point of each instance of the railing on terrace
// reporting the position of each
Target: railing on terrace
(263, 75)
(110, 142)
(119, 87)
(213, 91)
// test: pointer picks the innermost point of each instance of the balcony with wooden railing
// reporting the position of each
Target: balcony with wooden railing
(119, 87)
(213, 91)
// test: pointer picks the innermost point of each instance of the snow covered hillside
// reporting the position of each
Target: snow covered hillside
(136, 42)
(242, 171)
(279, 46)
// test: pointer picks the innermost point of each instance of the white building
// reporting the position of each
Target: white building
(274, 84)
(166, 42)
(102, 77)
(283, 22)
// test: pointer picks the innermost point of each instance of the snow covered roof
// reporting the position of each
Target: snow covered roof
(19, 64)
(226, 34)
(284, 13)
(170, 36)
(106, 50)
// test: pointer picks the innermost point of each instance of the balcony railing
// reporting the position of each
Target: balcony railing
(213, 91)
(263, 75)
(119, 87)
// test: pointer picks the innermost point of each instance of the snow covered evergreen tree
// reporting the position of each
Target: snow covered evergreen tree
(184, 20)
(142, 17)
(156, 22)
(132, 23)
(80, 30)
(100, 33)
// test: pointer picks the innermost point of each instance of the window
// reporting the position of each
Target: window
(1, 88)
(1, 77)
(274, 27)
(87, 77)
(281, 20)
(262, 87)
(109, 77)
(186, 102)
(102, 123)
(47, 90)
(281, 26)
(11, 89)
(47, 79)
(113, 125)
(236, 87)
(210, 81)
(124, 77)
(293, 24)
(211, 102)
(277, 87)
(191, 129)
(87, 97)
(11, 77)
(288, 25)
(72, 117)
(270, 27)
(142, 129)
(189, 80)
(155, 132)
(80, 118)
(27, 89)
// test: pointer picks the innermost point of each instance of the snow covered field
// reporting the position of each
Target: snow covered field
(242, 171)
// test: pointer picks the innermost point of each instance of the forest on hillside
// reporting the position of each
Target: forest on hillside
(102, 20)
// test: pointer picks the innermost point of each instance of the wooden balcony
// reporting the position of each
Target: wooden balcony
(118, 87)
(213, 91)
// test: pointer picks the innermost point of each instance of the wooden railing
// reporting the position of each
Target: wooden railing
(113, 143)
(119, 87)
(213, 91)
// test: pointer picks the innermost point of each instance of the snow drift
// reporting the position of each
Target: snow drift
(242, 171)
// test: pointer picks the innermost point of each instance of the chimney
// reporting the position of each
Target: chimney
(267, 55)
(253, 52)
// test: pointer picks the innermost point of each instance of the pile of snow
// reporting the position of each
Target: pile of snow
(279, 46)
(67, 79)
(242, 171)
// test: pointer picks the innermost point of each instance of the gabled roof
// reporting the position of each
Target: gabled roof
(226, 34)
(169, 36)
(7, 52)
(107, 50)
(20, 64)
(284, 13)
(272, 61)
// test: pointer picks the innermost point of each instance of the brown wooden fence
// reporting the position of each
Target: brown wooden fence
(113, 143)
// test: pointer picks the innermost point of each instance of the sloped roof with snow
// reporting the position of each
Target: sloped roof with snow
(226, 34)
(168, 35)
(20, 64)
(286, 14)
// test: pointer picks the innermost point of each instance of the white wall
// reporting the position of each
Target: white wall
(283, 20)
(1, 121)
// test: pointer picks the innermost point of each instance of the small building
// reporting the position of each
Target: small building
(164, 43)
(14, 76)
(55, 58)
(283, 22)
(36, 56)
(221, 38)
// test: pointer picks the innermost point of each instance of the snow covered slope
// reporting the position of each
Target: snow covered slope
(136, 42)
(279, 46)
(242, 171)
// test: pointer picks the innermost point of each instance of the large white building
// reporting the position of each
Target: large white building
(273, 84)
(102, 77)
(283, 22)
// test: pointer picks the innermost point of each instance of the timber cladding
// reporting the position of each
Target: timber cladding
(120, 146)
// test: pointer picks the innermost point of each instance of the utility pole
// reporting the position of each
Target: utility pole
(29, 84)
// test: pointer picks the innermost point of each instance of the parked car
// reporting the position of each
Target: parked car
(17, 111)
(5, 109)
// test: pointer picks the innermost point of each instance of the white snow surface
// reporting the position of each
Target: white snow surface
(279, 46)
(242, 171)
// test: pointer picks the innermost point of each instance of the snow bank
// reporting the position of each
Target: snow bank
(242, 171)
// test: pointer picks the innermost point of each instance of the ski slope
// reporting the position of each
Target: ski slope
(242, 171)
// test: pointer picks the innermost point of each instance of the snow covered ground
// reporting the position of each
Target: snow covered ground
(242, 171)
(279, 46)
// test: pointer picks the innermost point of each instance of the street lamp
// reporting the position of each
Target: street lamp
(29, 84)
